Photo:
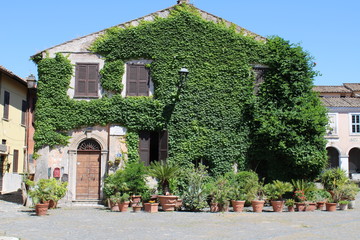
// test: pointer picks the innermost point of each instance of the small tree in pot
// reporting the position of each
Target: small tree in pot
(275, 192)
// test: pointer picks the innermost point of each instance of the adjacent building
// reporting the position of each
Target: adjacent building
(343, 134)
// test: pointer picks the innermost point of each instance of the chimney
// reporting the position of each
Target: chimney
(183, 1)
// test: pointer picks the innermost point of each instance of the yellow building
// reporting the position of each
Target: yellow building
(13, 114)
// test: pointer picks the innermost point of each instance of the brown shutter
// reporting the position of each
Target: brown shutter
(23, 112)
(137, 80)
(86, 80)
(144, 147)
(6, 105)
(15, 161)
(163, 145)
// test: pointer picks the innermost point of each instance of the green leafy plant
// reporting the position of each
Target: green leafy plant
(333, 178)
(163, 172)
(289, 202)
(240, 183)
(219, 190)
(277, 189)
(46, 189)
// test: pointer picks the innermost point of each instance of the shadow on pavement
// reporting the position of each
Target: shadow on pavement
(13, 197)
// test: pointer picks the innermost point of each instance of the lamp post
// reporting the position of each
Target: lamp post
(183, 73)
(31, 81)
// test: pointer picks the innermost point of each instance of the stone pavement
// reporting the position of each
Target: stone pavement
(98, 222)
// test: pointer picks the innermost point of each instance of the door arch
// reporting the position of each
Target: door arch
(88, 170)
(333, 157)
(354, 160)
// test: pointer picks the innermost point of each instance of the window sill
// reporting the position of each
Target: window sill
(332, 137)
(85, 97)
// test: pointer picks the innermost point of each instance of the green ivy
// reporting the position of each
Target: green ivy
(209, 120)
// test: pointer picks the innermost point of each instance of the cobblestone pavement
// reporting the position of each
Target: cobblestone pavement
(97, 222)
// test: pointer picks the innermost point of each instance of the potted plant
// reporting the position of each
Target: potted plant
(290, 203)
(220, 194)
(124, 202)
(257, 196)
(333, 178)
(349, 192)
(275, 192)
(41, 193)
(302, 190)
(151, 206)
(137, 207)
(343, 205)
(114, 200)
(163, 173)
(58, 191)
(321, 196)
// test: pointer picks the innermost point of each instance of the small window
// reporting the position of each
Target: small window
(6, 105)
(355, 123)
(86, 80)
(153, 146)
(23, 112)
(15, 161)
(137, 80)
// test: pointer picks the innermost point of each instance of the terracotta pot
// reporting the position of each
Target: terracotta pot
(343, 206)
(114, 207)
(167, 199)
(151, 207)
(224, 208)
(214, 207)
(238, 206)
(168, 207)
(41, 209)
(52, 204)
(300, 207)
(310, 207)
(136, 208)
(135, 199)
(320, 205)
(331, 207)
(277, 206)
(123, 207)
(257, 205)
(291, 209)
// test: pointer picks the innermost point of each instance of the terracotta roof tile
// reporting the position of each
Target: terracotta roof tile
(331, 89)
(341, 102)
(353, 86)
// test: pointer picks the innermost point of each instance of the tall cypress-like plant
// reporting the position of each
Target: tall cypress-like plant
(289, 127)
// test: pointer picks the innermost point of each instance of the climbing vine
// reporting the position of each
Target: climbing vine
(209, 119)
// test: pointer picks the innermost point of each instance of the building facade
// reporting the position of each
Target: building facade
(343, 134)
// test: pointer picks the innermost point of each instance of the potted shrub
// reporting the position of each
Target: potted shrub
(290, 203)
(220, 194)
(124, 202)
(275, 192)
(343, 205)
(58, 191)
(163, 173)
(349, 192)
(114, 200)
(302, 190)
(115, 183)
(256, 195)
(321, 196)
(333, 178)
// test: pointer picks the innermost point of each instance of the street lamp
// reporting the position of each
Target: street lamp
(183, 75)
(31, 81)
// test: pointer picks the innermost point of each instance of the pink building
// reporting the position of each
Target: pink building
(343, 134)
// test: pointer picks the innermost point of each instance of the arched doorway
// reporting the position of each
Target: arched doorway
(333, 157)
(88, 170)
(354, 160)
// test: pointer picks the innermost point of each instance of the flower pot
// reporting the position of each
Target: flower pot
(167, 199)
(257, 205)
(277, 206)
(123, 207)
(114, 207)
(135, 200)
(331, 207)
(214, 207)
(238, 206)
(168, 207)
(343, 206)
(52, 204)
(300, 207)
(136, 208)
(310, 207)
(224, 207)
(151, 207)
(41, 209)
(320, 205)
(351, 204)
(291, 209)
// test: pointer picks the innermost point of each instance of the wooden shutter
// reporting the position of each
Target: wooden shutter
(144, 147)
(15, 161)
(6, 105)
(137, 80)
(86, 80)
(23, 112)
(163, 145)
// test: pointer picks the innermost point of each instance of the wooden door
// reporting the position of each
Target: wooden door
(88, 175)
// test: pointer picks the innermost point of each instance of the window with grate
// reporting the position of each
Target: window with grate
(86, 80)
(89, 145)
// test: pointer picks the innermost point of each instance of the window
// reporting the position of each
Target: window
(15, 161)
(137, 80)
(23, 112)
(86, 80)
(6, 105)
(260, 71)
(355, 123)
(332, 124)
(153, 146)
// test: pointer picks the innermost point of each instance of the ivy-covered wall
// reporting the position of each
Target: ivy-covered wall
(212, 118)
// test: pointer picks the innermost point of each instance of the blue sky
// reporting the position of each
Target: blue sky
(328, 29)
